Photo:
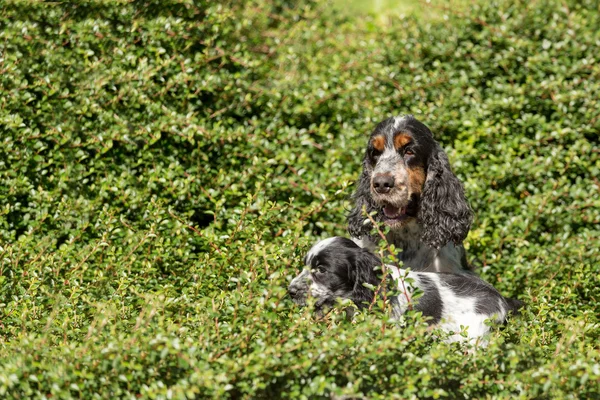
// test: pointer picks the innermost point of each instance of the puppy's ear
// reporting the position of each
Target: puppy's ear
(514, 305)
(362, 197)
(444, 211)
(363, 271)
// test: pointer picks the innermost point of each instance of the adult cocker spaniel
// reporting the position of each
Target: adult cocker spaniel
(407, 181)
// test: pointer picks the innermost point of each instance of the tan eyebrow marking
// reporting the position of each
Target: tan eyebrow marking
(401, 140)
(378, 142)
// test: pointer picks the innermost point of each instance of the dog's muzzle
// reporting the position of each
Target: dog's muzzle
(299, 287)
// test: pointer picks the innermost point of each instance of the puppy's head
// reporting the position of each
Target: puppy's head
(335, 268)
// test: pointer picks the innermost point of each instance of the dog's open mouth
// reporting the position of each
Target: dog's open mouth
(393, 214)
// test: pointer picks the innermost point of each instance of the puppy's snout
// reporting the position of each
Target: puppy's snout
(298, 293)
(298, 288)
(383, 183)
(293, 291)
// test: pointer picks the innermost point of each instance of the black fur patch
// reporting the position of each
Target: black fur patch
(430, 304)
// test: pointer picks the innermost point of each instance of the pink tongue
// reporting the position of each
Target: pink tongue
(391, 211)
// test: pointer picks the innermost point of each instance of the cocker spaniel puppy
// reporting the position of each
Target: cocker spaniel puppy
(337, 268)
(407, 181)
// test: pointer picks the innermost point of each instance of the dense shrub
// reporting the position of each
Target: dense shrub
(165, 165)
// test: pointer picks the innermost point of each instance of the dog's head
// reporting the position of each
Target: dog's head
(335, 268)
(406, 178)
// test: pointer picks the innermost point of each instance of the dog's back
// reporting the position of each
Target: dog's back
(452, 301)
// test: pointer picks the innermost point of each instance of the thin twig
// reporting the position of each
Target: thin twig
(382, 235)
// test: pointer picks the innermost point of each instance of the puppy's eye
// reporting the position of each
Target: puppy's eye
(320, 269)
(408, 153)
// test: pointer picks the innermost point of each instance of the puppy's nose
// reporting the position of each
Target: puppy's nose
(293, 291)
(383, 183)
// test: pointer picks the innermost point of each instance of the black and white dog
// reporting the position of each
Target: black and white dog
(338, 268)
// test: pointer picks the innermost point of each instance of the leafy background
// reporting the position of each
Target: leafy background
(165, 165)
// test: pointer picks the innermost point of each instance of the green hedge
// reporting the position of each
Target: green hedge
(164, 166)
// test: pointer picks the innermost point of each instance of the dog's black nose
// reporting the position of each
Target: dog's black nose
(293, 291)
(383, 183)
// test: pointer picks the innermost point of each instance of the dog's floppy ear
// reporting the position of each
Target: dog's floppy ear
(444, 211)
(363, 271)
(362, 197)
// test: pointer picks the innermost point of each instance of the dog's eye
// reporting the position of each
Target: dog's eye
(375, 154)
(409, 152)
(320, 269)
